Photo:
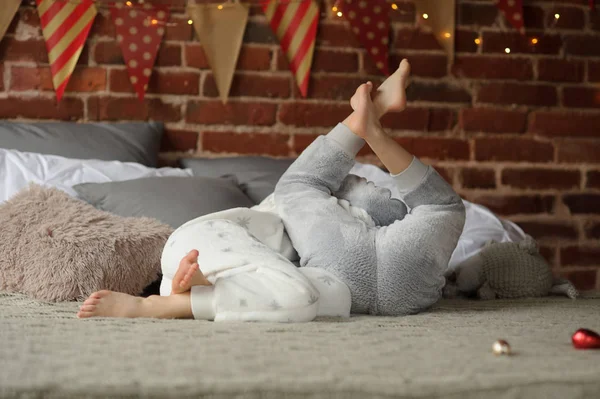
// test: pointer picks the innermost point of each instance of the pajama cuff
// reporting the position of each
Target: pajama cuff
(411, 177)
(343, 136)
(202, 300)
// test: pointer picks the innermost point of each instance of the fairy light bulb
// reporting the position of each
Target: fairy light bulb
(190, 22)
(128, 3)
(425, 16)
(394, 6)
(478, 41)
(556, 16)
(339, 14)
(447, 35)
(334, 9)
(220, 6)
(507, 50)
(534, 40)
(154, 22)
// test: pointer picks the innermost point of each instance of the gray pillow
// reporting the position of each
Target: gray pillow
(257, 176)
(171, 200)
(126, 142)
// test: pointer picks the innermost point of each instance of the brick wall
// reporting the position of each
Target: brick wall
(519, 133)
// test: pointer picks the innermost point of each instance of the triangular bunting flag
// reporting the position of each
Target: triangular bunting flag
(295, 25)
(140, 30)
(370, 22)
(6, 16)
(65, 25)
(440, 16)
(513, 12)
(221, 31)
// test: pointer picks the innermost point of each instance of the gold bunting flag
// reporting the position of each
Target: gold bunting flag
(6, 16)
(221, 32)
(295, 25)
(440, 16)
(65, 26)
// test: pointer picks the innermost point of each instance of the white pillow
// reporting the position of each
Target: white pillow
(18, 169)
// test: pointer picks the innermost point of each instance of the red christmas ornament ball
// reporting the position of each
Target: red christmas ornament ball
(586, 339)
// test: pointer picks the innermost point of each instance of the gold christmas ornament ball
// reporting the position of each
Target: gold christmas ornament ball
(501, 347)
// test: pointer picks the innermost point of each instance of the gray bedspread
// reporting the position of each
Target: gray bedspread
(46, 352)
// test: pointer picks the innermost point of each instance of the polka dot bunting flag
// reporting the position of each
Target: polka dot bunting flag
(139, 32)
(370, 22)
(513, 11)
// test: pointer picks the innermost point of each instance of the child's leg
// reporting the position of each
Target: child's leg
(116, 304)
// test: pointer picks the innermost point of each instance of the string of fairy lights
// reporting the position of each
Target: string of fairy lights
(336, 9)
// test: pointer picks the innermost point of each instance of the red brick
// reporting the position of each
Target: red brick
(409, 119)
(558, 70)
(582, 203)
(232, 113)
(103, 26)
(478, 178)
(1, 77)
(416, 39)
(478, 67)
(583, 45)
(160, 82)
(477, 14)
(250, 58)
(257, 32)
(490, 120)
(594, 71)
(178, 29)
(548, 229)
(168, 55)
(29, 50)
(31, 78)
(301, 141)
(437, 92)
(334, 87)
(581, 97)
(549, 253)
(579, 151)
(580, 256)
(41, 108)
(120, 109)
(423, 65)
(326, 61)
(593, 179)
(511, 93)
(87, 79)
(175, 140)
(533, 17)
(570, 18)
(569, 124)
(441, 119)
(252, 86)
(513, 149)
(465, 41)
(446, 173)
(437, 148)
(516, 204)
(583, 280)
(26, 16)
(537, 178)
(246, 143)
(592, 230)
(496, 42)
(405, 13)
(337, 35)
(311, 114)
(108, 53)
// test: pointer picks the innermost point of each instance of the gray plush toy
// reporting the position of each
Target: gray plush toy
(506, 270)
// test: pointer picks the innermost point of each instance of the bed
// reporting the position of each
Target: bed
(445, 352)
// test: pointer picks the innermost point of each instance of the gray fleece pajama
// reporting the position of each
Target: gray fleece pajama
(393, 268)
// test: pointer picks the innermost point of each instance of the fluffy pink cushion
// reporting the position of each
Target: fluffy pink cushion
(57, 248)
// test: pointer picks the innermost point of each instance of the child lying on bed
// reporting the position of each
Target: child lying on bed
(360, 251)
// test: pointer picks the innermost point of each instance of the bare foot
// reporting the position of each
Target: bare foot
(391, 94)
(188, 274)
(364, 120)
(111, 304)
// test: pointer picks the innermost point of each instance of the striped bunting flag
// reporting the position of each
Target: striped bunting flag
(295, 25)
(65, 25)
